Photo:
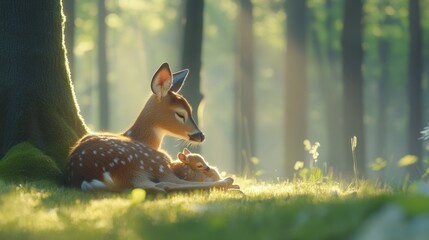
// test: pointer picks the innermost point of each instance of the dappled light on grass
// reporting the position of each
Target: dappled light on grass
(19, 207)
(267, 210)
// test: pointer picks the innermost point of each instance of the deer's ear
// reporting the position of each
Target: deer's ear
(178, 80)
(162, 81)
(186, 152)
(182, 157)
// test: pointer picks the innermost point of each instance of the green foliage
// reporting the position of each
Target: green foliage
(24, 162)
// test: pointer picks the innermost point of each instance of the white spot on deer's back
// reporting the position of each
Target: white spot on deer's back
(161, 168)
(146, 154)
(95, 152)
(123, 162)
(158, 157)
(83, 152)
(116, 160)
(80, 165)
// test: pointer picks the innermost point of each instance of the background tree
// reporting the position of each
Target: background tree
(103, 84)
(244, 110)
(191, 56)
(296, 83)
(37, 103)
(352, 56)
(332, 88)
(384, 54)
(415, 124)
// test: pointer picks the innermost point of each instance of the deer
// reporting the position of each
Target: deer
(133, 159)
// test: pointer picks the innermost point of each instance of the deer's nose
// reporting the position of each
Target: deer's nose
(197, 137)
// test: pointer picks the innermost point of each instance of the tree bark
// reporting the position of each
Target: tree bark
(296, 84)
(415, 124)
(353, 86)
(37, 101)
(69, 11)
(191, 57)
(103, 84)
(244, 110)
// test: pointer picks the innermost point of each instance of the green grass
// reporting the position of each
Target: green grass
(281, 210)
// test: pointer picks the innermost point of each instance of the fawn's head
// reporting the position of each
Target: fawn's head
(170, 112)
(194, 161)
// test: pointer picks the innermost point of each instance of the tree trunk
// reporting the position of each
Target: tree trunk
(353, 86)
(37, 102)
(103, 84)
(244, 113)
(333, 94)
(296, 84)
(384, 50)
(69, 11)
(414, 87)
(191, 57)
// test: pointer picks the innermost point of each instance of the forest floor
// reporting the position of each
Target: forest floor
(276, 210)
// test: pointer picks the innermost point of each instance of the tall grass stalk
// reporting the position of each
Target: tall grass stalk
(353, 142)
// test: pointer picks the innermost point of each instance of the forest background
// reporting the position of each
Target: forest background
(261, 101)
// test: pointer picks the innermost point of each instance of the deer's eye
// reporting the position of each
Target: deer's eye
(199, 165)
(180, 117)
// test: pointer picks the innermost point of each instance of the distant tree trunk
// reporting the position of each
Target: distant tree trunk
(191, 56)
(69, 11)
(353, 85)
(332, 93)
(383, 86)
(103, 84)
(244, 110)
(296, 83)
(415, 124)
(37, 102)
(383, 52)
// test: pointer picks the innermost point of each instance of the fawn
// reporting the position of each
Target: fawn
(193, 167)
(133, 159)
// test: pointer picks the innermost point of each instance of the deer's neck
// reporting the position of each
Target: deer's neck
(145, 130)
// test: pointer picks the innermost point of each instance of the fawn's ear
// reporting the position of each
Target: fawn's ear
(178, 80)
(162, 81)
(186, 152)
(182, 157)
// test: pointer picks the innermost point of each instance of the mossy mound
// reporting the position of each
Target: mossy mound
(24, 162)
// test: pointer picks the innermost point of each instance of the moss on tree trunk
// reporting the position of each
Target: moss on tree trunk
(37, 103)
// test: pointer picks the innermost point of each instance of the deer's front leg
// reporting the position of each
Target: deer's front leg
(186, 185)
